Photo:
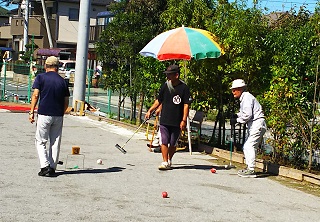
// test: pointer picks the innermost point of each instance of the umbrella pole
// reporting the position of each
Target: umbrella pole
(189, 136)
(185, 70)
(188, 120)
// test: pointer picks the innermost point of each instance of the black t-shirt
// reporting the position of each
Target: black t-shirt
(53, 90)
(172, 104)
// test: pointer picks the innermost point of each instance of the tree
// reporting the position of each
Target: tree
(288, 101)
(135, 23)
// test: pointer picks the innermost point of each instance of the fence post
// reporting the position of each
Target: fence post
(109, 101)
(29, 85)
(4, 80)
(90, 72)
(30, 69)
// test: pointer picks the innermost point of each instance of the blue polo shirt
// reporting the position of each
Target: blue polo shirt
(53, 90)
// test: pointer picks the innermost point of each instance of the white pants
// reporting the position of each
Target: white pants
(48, 128)
(256, 131)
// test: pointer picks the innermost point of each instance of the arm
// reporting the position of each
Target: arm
(66, 103)
(185, 116)
(158, 111)
(154, 106)
(34, 101)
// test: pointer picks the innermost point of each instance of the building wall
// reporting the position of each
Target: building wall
(67, 31)
(4, 21)
(5, 32)
(17, 26)
(37, 30)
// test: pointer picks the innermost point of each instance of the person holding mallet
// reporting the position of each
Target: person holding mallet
(250, 113)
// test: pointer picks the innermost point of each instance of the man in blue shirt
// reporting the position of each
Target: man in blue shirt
(52, 92)
(251, 114)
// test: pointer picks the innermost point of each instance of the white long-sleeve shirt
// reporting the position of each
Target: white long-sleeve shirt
(250, 109)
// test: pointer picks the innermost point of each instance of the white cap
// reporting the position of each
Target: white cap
(238, 83)
(52, 61)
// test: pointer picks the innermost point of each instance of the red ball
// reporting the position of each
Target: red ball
(213, 170)
(164, 194)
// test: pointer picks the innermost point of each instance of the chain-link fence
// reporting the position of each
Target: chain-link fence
(16, 79)
(15, 82)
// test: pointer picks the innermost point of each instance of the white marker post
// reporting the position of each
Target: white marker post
(189, 136)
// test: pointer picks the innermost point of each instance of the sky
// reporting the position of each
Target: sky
(284, 5)
(11, 6)
(272, 5)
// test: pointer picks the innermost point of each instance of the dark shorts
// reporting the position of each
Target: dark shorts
(169, 135)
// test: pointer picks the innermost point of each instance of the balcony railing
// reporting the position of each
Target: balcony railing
(95, 32)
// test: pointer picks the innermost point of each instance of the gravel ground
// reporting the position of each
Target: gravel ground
(129, 187)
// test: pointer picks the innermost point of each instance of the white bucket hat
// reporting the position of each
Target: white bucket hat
(238, 83)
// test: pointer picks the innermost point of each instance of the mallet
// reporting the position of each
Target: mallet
(121, 147)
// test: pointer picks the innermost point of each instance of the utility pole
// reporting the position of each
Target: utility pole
(25, 25)
(82, 52)
(47, 23)
(30, 68)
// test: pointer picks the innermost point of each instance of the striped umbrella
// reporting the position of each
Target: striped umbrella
(183, 43)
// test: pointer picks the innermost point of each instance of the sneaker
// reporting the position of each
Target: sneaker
(241, 171)
(164, 166)
(152, 146)
(247, 173)
(46, 171)
(169, 163)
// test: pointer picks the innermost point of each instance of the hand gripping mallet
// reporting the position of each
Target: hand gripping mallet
(121, 147)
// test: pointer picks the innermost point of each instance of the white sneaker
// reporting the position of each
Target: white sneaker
(164, 166)
(247, 173)
(169, 163)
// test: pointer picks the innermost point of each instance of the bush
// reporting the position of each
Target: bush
(212, 114)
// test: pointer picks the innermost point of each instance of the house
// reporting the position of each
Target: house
(4, 17)
(5, 35)
(63, 19)
(102, 20)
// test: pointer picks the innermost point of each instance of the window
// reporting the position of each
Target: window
(108, 20)
(73, 14)
(49, 12)
(100, 21)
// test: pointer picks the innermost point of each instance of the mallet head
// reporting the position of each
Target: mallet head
(120, 148)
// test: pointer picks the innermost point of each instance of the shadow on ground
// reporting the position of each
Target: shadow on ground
(88, 171)
(198, 167)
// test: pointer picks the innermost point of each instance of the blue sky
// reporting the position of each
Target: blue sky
(284, 5)
(11, 6)
(272, 5)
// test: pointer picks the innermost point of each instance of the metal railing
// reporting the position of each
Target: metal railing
(16, 81)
